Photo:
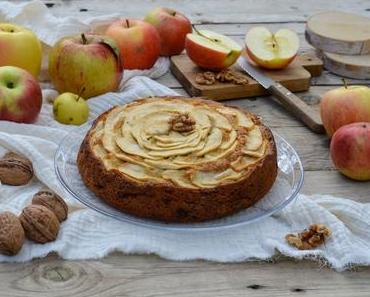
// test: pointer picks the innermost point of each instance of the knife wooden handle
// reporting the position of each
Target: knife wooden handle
(299, 108)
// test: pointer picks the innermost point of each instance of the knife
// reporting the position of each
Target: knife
(291, 102)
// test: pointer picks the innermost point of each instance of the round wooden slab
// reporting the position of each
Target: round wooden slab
(347, 65)
(339, 32)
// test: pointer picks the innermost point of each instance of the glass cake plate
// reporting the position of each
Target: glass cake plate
(285, 189)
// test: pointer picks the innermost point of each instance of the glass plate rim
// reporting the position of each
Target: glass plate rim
(152, 224)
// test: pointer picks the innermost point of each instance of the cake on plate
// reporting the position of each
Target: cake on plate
(177, 159)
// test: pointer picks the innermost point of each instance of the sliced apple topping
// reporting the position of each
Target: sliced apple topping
(175, 141)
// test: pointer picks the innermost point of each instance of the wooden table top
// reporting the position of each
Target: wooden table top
(135, 275)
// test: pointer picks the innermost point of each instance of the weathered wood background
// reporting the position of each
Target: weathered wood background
(123, 275)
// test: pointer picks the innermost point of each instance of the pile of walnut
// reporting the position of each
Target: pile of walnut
(40, 221)
(224, 76)
(310, 238)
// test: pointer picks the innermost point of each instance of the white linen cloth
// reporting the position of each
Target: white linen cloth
(90, 235)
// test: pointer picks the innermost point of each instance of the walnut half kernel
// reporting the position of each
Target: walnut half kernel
(182, 123)
(310, 238)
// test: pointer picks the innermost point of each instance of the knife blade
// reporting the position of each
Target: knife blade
(291, 102)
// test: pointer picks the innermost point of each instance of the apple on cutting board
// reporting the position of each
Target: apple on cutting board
(20, 47)
(210, 50)
(271, 50)
(20, 95)
(138, 42)
(89, 61)
(172, 27)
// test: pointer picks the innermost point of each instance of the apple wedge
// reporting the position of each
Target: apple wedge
(271, 51)
(210, 50)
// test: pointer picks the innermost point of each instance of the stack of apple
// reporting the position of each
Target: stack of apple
(82, 66)
(345, 113)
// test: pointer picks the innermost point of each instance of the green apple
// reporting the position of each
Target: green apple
(70, 109)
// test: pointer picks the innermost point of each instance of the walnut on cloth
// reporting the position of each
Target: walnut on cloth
(309, 238)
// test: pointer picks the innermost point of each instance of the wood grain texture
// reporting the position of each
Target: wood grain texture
(339, 32)
(357, 67)
(150, 276)
(120, 275)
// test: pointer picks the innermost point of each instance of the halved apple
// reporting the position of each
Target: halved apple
(271, 51)
(210, 50)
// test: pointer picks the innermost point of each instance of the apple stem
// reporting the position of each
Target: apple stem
(173, 13)
(127, 23)
(201, 34)
(80, 93)
(83, 37)
(345, 83)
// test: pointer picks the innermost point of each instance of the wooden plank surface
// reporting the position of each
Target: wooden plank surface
(123, 275)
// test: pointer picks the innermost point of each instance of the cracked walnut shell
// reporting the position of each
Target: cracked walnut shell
(15, 170)
(53, 202)
(39, 223)
(11, 234)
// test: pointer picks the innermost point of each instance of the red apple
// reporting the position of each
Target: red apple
(20, 95)
(210, 50)
(20, 47)
(343, 106)
(138, 42)
(350, 150)
(271, 51)
(172, 27)
(92, 62)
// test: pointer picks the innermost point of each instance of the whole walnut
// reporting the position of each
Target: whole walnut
(15, 170)
(40, 224)
(11, 234)
(52, 201)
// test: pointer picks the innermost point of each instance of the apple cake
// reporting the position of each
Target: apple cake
(178, 159)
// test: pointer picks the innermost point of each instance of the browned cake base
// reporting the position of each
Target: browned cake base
(172, 203)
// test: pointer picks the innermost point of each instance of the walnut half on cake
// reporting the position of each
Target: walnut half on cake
(176, 159)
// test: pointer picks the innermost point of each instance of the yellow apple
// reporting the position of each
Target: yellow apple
(210, 50)
(70, 109)
(90, 61)
(20, 47)
(271, 51)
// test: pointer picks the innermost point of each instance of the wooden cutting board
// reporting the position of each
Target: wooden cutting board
(296, 77)
(339, 32)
